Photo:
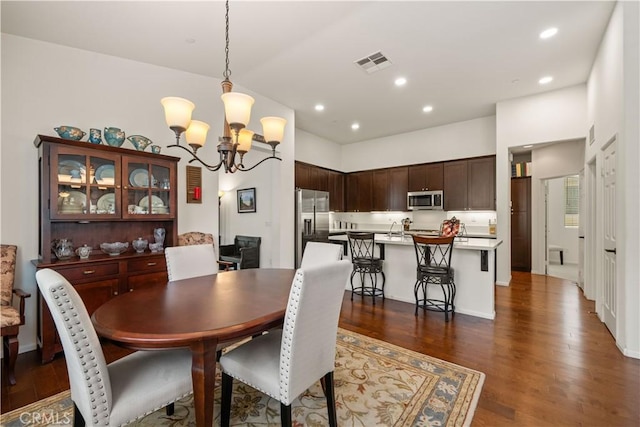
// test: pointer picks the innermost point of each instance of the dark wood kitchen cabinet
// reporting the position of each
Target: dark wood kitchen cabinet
(429, 176)
(93, 194)
(521, 224)
(303, 176)
(398, 187)
(470, 184)
(336, 191)
(481, 180)
(359, 191)
(380, 190)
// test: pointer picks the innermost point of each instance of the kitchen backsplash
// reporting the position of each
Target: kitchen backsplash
(475, 222)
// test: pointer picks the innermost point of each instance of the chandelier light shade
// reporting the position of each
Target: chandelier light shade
(196, 134)
(177, 112)
(237, 113)
(237, 108)
(245, 136)
(273, 128)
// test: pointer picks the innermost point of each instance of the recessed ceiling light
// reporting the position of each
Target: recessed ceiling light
(319, 107)
(190, 41)
(355, 126)
(527, 146)
(548, 33)
(427, 109)
(400, 81)
(545, 80)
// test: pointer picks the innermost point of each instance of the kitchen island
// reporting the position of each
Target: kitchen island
(473, 261)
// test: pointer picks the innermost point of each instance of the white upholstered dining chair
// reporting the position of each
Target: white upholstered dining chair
(316, 253)
(122, 391)
(286, 362)
(185, 262)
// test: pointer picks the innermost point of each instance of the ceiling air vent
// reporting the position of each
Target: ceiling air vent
(372, 63)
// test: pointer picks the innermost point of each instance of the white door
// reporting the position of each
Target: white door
(609, 236)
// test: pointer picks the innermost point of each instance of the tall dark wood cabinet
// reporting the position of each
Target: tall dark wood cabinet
(93, 194)
(521, 224)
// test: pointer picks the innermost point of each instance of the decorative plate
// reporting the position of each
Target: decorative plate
(155, 202)
(105, 171)
(106, 201)
(76, 200)
(140, 178)
(66, 166)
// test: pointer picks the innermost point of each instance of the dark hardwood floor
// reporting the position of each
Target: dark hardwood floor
(548, 360)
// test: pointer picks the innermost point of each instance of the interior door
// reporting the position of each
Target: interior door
(581, 229)
(609, 238)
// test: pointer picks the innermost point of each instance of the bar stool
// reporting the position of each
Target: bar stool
(433, 255)
(365, 264)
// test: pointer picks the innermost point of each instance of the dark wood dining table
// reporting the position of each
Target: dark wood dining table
(198, 313)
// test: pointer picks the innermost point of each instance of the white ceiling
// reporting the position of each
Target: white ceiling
(459, 57)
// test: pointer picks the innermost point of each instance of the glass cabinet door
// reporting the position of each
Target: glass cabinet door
(147, 189)
(83, 184)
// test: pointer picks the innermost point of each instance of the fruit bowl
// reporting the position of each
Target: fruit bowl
(115, 248)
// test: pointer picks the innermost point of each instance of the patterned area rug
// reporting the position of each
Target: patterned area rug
(377, 384)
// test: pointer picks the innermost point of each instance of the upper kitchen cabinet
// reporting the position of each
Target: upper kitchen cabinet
(481, 179)
(389, 189)
(425, 177)
(336, 191)
(470, 184)
(359, 191)
(303, 176)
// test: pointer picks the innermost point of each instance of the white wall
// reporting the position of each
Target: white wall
(552, 116)
(45, 85)
(558, 234)
(613, 108)
(318, 151)
(470, 138)
(549, 161)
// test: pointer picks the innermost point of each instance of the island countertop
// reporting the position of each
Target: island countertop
(469, 243)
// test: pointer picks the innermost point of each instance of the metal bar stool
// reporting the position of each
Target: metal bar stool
(365, 264)
(433, 255)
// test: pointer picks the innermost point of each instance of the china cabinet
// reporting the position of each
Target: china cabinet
(90, 194)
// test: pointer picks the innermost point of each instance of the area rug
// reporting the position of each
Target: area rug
(376, 384)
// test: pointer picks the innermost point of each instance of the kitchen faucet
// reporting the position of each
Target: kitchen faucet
(391, 230)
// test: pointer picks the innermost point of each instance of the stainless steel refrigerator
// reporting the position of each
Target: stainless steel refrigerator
(312, 219)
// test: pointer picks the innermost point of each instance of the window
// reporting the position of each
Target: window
(571, 200)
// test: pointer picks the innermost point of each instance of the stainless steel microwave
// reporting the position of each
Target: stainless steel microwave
(425, 200)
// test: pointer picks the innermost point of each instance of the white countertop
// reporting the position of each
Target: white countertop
(470, 243)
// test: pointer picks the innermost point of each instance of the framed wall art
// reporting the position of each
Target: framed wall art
(247, 200)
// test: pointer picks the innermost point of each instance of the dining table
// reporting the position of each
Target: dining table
(198, 313)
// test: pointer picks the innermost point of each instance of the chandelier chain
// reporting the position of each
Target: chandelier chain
(227, 71)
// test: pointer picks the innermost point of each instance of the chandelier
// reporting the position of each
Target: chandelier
(236, 140)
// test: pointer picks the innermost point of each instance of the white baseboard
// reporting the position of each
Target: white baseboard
(502, 283)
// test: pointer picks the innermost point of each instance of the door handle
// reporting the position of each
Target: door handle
(612, 251)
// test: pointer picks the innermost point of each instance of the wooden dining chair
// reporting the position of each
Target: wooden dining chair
(120, 392)
(10, 318)
(316, 253)
(286, 362)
